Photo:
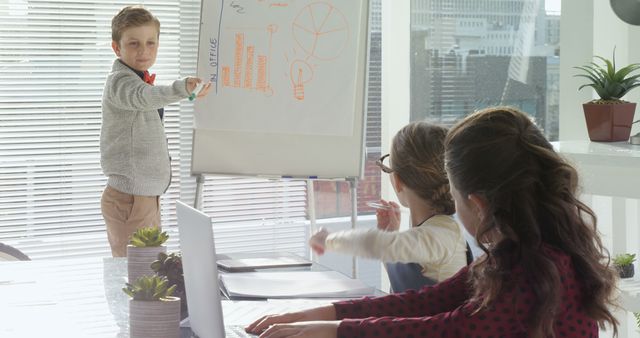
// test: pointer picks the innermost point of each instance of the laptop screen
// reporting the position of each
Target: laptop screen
(200, 272)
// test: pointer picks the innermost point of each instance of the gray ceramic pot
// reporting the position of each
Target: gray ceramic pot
(139, 260)
(157, 319)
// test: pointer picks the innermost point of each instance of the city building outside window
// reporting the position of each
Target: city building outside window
(468, 55)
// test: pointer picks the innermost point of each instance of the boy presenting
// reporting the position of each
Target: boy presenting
(133, 147)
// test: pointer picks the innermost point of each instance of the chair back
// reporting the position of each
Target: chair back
(9, 253)
(408, 276)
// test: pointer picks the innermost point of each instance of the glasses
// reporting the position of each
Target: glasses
(383, 167)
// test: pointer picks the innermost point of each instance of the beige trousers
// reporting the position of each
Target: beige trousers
(124, 213)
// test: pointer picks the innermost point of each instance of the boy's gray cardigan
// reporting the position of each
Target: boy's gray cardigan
(133, 146)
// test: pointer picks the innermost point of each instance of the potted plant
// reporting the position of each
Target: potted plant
(153, 312)
(170, 266)
(624, 264)
(609, 118)
(145, 245)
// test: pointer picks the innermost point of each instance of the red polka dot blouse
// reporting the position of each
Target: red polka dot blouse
(444, 310)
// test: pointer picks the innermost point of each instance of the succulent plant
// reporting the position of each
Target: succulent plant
(149, 288)
(610, 84)
(624, 259)
(170, 266)
(148, 237)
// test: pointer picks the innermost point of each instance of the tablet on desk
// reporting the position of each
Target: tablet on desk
(248, 262)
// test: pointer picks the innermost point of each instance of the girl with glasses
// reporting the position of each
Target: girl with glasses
(433, 249)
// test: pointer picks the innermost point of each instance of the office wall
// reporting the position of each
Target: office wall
(396, 37)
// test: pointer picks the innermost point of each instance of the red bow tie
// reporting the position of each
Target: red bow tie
(149, 78)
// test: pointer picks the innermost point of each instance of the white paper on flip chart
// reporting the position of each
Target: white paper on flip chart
(293, 284)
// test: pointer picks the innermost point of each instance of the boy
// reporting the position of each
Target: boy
(133, 146)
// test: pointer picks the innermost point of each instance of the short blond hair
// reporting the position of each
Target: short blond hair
(131, 16)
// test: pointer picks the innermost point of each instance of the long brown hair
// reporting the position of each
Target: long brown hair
(417, 157)
(531, 193)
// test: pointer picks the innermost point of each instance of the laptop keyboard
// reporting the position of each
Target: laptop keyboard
(236, 331)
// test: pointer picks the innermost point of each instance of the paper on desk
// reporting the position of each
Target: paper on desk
(293, 284)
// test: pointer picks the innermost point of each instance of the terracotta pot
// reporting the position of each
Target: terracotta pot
(139, 260)
(609, 122)
(157, 319)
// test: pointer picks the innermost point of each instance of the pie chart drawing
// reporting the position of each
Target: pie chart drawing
(321, 30)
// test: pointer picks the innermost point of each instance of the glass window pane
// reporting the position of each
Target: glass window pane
(468, 55)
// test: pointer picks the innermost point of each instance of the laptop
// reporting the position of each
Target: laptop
(201, 275)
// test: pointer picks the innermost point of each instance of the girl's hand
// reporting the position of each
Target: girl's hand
(303, 329)
(318, 241)
(322, 313)
(388, 218)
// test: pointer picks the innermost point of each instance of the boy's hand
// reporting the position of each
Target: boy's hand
(192, 84)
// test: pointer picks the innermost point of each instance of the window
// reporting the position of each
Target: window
(54, 57)
(510, 58)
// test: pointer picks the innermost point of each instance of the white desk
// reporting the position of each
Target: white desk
(66, 298)
(83, 298)
(613, 170)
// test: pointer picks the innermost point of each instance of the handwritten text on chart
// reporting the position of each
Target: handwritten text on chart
(238, 8)
(213, 59)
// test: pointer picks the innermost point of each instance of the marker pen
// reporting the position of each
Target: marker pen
(378, 205)
(196, 91)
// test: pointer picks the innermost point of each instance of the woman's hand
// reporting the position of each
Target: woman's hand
(318, 241)
(323, 313)
(388, 217)
(316, 329)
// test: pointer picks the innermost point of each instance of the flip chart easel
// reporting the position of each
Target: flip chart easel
(288, 96)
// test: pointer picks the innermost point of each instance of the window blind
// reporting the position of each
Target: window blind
(54, 57)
